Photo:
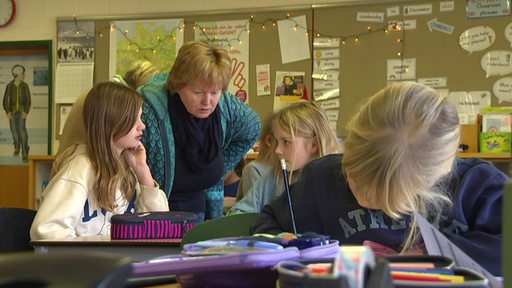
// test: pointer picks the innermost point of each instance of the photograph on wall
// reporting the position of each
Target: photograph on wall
(289, 88)
(156, 41)
(75, 41)
(24, 131)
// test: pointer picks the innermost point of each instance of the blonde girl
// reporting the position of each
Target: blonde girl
(301, 133)
(399, 158)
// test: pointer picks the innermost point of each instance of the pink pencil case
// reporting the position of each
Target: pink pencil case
(152, 225)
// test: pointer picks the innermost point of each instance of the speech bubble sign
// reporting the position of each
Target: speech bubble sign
(508, 33)
(503, 89)
(497, 63)
(477, 38)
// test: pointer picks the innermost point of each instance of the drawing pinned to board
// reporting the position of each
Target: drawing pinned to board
(503, 89)
(217, 31)
(477, 38)
(497, 63)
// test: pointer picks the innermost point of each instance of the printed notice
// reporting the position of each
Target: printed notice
(263, 79)
(370, 16)
(401, 69)
(413, 10)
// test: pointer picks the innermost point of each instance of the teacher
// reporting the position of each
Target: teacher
(196, 131)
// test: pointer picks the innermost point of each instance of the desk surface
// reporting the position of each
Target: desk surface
(105, 240)
(138, 250)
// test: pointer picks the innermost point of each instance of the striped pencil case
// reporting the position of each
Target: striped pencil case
(152, 225)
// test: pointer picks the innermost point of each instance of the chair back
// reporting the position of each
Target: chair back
(227, 226)
(15, 226)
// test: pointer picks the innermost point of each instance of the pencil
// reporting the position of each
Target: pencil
(414, 276)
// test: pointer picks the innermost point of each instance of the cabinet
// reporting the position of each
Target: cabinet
(14, 186)
(22, 185)
(502, 161)
(39, 168)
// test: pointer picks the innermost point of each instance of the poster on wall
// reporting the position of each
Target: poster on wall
(25, 83)
(234, 37)
(156, 41)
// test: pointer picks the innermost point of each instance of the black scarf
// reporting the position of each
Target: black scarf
(199, 139)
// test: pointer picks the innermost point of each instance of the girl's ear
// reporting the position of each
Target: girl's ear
(314, 146)
(268, 140)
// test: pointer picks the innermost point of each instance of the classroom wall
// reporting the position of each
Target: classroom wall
(363, 64)
(37, 20)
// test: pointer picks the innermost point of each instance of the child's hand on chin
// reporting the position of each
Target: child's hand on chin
(135, 156)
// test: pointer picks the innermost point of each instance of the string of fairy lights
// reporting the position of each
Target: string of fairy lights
(268, 23)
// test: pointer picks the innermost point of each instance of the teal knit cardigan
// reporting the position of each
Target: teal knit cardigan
(240, 129)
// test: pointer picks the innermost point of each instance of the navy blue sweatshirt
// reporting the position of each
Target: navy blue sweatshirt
(323, 203)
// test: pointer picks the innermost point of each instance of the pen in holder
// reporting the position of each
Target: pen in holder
(287, 187)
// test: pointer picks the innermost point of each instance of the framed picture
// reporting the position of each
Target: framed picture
(26, 86)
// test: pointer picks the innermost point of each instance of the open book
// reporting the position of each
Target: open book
(437, 244)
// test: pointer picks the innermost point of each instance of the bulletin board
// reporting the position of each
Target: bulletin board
(425, 36)
(264, 47)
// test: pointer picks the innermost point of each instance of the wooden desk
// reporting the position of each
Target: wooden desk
(138, 250)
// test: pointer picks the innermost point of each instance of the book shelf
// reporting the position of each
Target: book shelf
(486, 156)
